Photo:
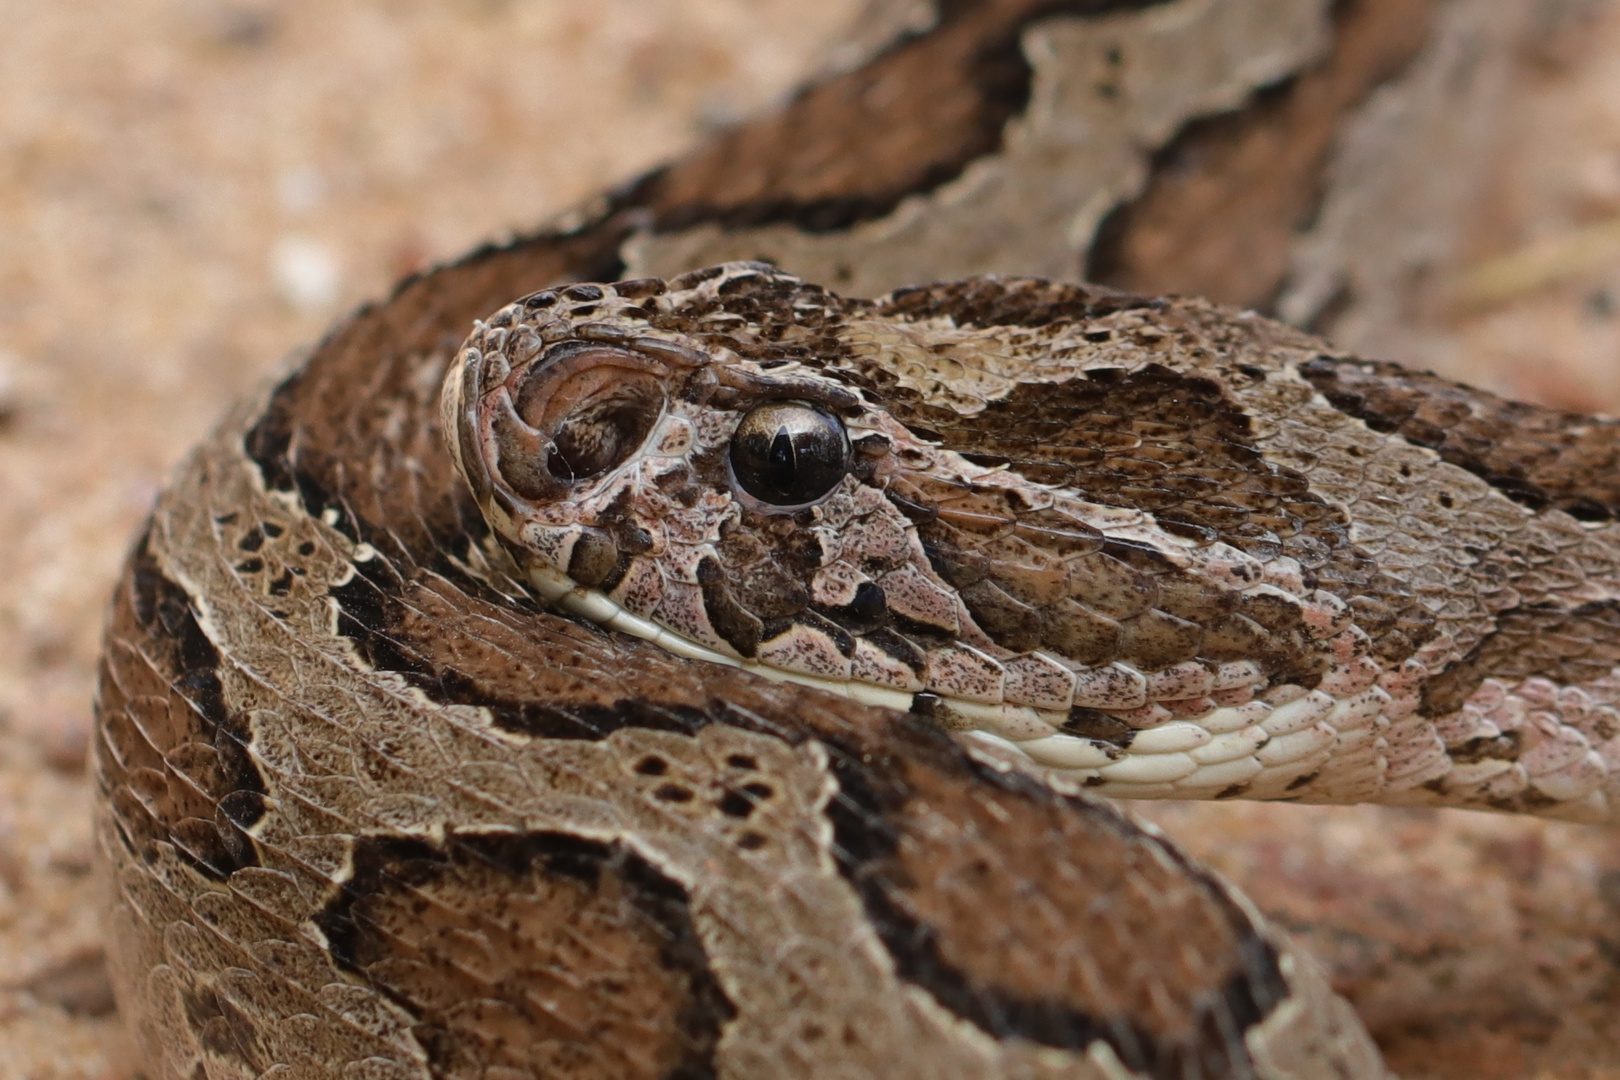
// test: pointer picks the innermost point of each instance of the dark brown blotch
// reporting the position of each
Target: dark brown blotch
(1187, 973)
(478, 939)
(222, 1029)
(899, 648)
(594, 558)
(170, 738)
(736, 625)
(1080, 634)
(1010, 623)
(1156, 641)
(1012, 302)
(841, 639)
(462, 648)
(520, 457)
(1569, 646)
(1099, 726)
(1539, 457)
(1176, 446)
(851, 148)
(758, 580)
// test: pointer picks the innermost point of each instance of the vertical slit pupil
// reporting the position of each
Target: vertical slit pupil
(788, 453)
(781, 460)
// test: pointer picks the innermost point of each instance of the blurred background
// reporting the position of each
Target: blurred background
(191, 191)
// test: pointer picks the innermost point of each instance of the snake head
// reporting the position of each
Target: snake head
(1060, 533)
(659, 462)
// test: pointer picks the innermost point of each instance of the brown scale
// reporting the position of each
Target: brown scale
(930, 858)
(1534, 455)
(1154, 441)
(1571, 647)
(173, 748)
(545, 954)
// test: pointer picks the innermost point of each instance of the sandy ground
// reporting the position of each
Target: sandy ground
(190, 190)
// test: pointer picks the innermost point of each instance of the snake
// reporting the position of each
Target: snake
(719, 674)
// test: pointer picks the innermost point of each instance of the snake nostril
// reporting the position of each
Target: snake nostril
(603, 432)
(594, 406)
(598, 437)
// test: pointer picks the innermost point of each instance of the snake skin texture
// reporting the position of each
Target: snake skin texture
(715, 676)
(371, 809)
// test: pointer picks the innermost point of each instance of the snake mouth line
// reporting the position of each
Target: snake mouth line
(1226, 751)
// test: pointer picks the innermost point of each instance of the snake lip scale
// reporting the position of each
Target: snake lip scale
(860, 601)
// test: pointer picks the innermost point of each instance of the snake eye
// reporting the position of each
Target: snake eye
(787, 453)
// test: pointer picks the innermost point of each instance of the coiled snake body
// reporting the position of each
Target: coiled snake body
(726, 700)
